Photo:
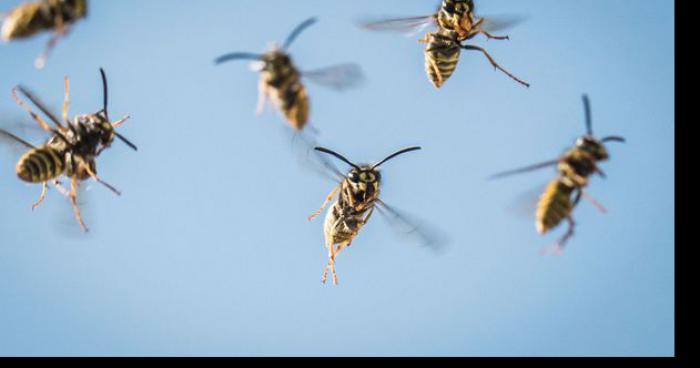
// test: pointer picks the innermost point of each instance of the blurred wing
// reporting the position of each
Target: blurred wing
(409, 25)
(416, 230)
(524, 205)
(524, 169)
(9, 138)
(311, 160)
(495, 23)
(338, 77)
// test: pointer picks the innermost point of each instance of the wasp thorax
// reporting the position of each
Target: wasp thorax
(592, 146)
(276, 60)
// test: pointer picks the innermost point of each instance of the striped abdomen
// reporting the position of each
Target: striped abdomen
(26, 20)
(40, 165)
(441, 58)
(555, 204)
(293, 101)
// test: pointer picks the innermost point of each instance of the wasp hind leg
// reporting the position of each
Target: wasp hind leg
(332, 253)
(495, 64)
(44, 189)
(74, 201)
(61, 30)
(492, 37)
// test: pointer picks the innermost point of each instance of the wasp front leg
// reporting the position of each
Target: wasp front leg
(328, 199)
(66, 99)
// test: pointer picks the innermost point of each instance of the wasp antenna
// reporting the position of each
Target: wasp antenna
(105, 96)
(587, 111)
(297, 31)
(126, 141)
(237, 56)
(337, 155)
(613, 139)
(393, 155)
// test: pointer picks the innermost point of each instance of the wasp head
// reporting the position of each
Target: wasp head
(593, 146)
(365, 179)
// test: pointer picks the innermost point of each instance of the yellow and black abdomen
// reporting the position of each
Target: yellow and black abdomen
(27, 20)
(441, 58)
(40, 165)
(555, 204)
(294, 103)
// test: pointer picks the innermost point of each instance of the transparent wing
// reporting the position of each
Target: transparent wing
(14, 140)
(524, 205)
(526, 169)
(496, 23)
(311, 160)
(338, 77)
(413, 229)
(408, 25)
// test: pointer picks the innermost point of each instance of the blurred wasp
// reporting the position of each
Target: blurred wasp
(29, 19)
(357, 197)
(565, 191)
(280, 79)
(71, 150)
(456, 22)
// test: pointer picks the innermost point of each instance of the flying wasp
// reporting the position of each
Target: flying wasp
(564, 192)
(281, 80)
(29, 19)
(357, 197)
(456, 22)
(71, 150)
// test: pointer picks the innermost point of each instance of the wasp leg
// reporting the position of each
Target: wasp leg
(94, 176)
(121, 121)
(74, 202)
(42, 123)
(425, 39)
(66, 98)
(330, 265)
(595, 203)
(492, 37)
(328, 199)
(263, 91)
(44, 189)
(61, 189)
(495, 65)
(61, 30)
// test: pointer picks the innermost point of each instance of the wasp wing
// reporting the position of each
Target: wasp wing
(337, 77)
(413, 228)
(409, 25)
(495, 23)
(311, 160)
(524, 169)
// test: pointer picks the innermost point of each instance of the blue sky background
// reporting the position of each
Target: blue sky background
(208, 252)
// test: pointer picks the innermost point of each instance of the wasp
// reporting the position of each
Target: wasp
(29, 19)
(71, 150)
(357, 197)
(281, 80)
(575, 168)
(456, 22)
